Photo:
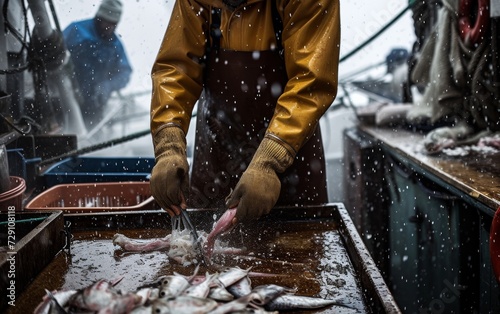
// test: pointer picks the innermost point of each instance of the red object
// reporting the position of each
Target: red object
(495, 244)
(471, 31)
(95, 197)
(12, 199)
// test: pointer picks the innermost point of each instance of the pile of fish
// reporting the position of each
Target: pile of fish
(228, 291)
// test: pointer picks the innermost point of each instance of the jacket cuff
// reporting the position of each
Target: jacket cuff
(272, 154)
(169, 139)
(288, 147)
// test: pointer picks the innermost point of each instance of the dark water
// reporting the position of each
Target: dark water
(307, 256)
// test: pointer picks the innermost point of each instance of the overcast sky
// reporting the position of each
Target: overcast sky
(144, 22)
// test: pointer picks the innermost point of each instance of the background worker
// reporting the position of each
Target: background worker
(100, 63)
(264, 73)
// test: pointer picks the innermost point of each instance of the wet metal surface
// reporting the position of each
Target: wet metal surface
(477, 174)
(308, 256)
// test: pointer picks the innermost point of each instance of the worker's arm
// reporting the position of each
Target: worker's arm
(177, 71)
(177, 85)
(311, 40)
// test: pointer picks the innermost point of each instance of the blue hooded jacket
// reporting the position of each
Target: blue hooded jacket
(101, 65)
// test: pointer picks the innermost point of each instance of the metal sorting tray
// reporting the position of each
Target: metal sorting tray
(314, 249)
(38, 239)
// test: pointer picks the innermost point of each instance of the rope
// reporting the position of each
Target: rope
(348, 76)
(95, 147)
(383, 29)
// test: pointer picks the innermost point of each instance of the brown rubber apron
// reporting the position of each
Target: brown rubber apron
(240, 93)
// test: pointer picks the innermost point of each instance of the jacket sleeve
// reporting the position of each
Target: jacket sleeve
(80, 43)
(119, 76)
(311, 41)
(177, 70)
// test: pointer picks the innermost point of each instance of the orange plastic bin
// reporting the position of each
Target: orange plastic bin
(95, 197)
(13, 198)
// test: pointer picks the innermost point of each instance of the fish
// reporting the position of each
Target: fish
(173, 286)
(262, 295)
(202, 289)
(101, 297)
(237, 305)
(287, 302)
(257, 297)
(57, 307)
(220, 294)
(54, 302)
(241, 287)
(162, 281)
(223, 225)
(132, 245)
(95, 297)
(232, 275)
(246, 296)
(184, 305)
(148, 295)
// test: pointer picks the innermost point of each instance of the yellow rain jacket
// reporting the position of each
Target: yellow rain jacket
(311, 41)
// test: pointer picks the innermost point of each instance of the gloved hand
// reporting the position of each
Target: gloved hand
(259, 187)
(170, 176)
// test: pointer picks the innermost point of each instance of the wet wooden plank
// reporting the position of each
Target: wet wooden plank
(477, 174)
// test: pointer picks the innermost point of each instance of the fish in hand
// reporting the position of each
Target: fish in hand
(223, 225)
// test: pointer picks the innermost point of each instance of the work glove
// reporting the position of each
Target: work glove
(259, 187)
(170, 175)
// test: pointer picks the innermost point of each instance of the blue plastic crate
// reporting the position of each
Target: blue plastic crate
(98, 169)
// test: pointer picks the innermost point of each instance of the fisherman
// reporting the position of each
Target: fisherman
(263, 73)
(100, 63)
